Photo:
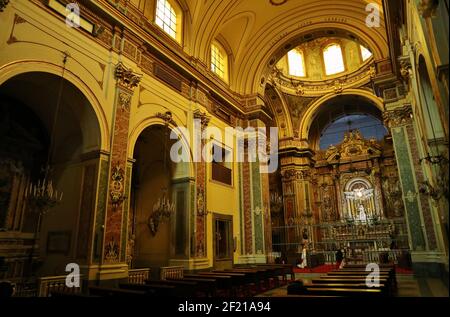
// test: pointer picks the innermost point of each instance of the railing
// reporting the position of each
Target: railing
(173, 272)
(49, 284)
(22, 289)
(138, 276)
(329, 256)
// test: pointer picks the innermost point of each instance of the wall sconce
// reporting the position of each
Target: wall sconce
(434, 159)
(435, 193)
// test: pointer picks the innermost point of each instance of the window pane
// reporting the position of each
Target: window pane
(218, 61)
(296, 63)
(365, 53)
(334, 62)
(166, 17)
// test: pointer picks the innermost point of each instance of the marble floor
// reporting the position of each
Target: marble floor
(408, 286)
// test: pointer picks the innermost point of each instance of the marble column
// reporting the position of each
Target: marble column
(114, 244)
(421, 227)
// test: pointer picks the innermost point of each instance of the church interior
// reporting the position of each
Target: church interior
(224, 148)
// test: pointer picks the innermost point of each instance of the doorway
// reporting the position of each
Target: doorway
(223, 241)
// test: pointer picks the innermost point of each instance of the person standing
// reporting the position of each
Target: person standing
(339, 258)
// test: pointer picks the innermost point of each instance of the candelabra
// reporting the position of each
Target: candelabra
(41, 197)
(162, 210)
(276, 202)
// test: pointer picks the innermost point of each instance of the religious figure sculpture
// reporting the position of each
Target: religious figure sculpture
(362, 213)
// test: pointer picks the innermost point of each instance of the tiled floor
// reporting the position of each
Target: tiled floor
(408, 286)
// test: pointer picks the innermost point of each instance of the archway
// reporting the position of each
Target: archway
(35, 134)
(159, 240)
(332, 106)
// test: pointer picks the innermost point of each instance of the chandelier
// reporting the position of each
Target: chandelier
(276, 202)
(163, 208)
(43, 196)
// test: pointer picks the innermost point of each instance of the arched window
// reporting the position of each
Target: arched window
(368, 125)
(168, 18)
(296, 63)
(365, 53)
(219, 61)
(334, 62)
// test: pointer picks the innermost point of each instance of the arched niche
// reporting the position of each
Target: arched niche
(68, 141)
(156, 175)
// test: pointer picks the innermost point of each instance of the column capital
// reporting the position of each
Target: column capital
(203, 116)
(3, 4)
(126, 77)
(427, 8)
(398, 116)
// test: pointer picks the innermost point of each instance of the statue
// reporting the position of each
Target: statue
(362, 213)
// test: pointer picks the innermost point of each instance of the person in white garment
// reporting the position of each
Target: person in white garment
(303, 264)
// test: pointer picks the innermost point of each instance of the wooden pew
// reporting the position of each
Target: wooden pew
(351, 274)
(113, 292)
(155, 290)
(288, 269)
(237, 280)
(224, 283)
(353, 292)
(208, 286)
(383, 270)
(385, 290)
(275, 272)
(182, 288)
(330, 290)
(390, 289)
(252, 278)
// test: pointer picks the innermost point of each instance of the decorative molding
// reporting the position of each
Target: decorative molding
(405, 67)
(124, 100)
(3, 4)
(291, 175)
(398, 116)
(126, 77)
(167, 117)
(117, 186)
(203, 116)
(277, 2)
(338, 87)
(353, 145)
(427, 8)
(314, 88)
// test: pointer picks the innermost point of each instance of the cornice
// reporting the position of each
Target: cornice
(316, 88)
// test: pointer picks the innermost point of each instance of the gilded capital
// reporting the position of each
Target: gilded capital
(398, 116)
(427, 8)
(203, 116)
(3, 4)
(126, 77)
